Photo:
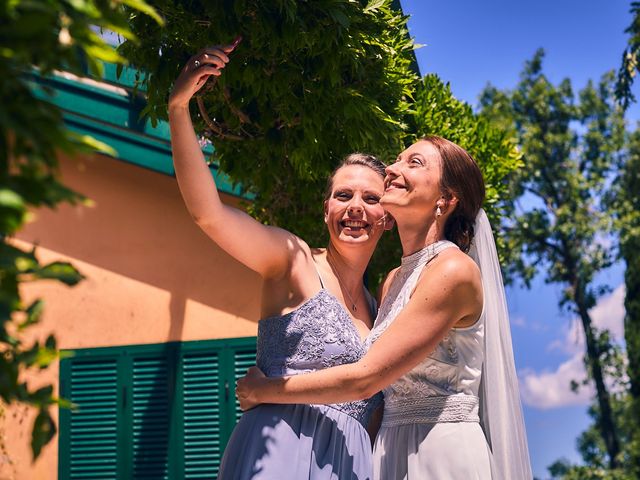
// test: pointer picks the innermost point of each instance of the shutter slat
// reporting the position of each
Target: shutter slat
(201, 411)
(150, 417)
(93, 450)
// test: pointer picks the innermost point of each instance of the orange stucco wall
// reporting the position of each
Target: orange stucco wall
(152, 276)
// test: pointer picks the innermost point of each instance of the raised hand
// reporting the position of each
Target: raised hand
(206, 63)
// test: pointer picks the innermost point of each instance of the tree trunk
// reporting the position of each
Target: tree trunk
(632, 340)
(606, 422)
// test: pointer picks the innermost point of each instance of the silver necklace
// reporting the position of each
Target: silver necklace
(342, 284)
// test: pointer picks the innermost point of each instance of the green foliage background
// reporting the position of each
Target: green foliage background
(310, 83)
(35, 39)
(625, 202)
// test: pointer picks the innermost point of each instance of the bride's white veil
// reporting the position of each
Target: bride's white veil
(500, 408)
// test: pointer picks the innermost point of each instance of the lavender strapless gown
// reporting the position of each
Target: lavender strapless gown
(296, 442)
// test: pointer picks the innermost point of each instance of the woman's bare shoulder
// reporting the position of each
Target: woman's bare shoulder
(452, 268)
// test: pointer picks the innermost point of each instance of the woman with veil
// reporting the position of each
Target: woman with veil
(441, 346)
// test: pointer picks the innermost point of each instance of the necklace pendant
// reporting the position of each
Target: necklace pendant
(353, 307)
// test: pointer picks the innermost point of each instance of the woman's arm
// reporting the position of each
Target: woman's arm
(232, 229)
(448, 292)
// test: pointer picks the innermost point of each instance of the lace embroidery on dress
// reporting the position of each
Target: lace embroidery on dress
(317, 335)
(436, 409)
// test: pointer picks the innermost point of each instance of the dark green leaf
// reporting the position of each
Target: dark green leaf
(44, 429)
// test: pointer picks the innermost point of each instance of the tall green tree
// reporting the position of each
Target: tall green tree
(310, 83)
(37, 38)
(569, 144)
(626, 205)
(625, 201)
(629, 66)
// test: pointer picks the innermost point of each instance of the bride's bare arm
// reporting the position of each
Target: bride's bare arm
(449, 292)
(232, 229)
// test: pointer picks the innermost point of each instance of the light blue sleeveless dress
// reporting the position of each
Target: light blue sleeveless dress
(297, 442)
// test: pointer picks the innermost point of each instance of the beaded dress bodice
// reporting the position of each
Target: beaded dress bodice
(319, 334)
(444, 386)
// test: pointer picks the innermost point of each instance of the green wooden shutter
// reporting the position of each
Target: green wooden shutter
(91, 449)
(202, 400)
(149, 417)
(150, 411)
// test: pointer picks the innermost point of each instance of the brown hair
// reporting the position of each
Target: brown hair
(363, 159)
(461, 177)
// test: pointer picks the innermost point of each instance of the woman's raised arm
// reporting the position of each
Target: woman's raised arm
(266, 250)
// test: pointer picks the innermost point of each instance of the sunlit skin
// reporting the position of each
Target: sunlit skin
(285, 262)
(353, 211)
(412, 195)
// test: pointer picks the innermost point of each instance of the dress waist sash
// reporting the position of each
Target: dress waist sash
(437, 409)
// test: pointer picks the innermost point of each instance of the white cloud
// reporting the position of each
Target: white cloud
(522, 322)
(547, 389)
(552, 389)
(519, 321)
(572, 340)
(609, 313)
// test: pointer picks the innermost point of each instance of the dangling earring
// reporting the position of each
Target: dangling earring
(438, 211)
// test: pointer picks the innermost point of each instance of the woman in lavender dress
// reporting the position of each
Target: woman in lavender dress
(441, 345)
(315, 309)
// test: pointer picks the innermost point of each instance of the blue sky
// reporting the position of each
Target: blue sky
(470, 43)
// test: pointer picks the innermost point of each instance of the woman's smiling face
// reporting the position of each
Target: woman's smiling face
(413, 181)
(353, 212)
